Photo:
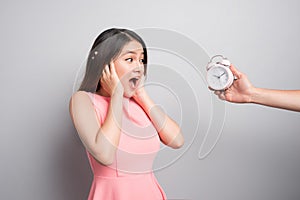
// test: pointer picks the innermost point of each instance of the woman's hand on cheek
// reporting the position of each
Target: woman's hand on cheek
(110, 81)
(140, 92)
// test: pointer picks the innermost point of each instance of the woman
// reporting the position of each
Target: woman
(118, 123)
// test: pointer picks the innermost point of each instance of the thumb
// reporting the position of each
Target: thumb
(235, 72)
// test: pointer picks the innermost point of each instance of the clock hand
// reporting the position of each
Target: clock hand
(222, 74)
(219, 76)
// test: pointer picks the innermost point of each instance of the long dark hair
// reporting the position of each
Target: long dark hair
(106, 48)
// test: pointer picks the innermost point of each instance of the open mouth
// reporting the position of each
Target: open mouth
(134, 82)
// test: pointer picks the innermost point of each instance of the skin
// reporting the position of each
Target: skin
(242, 91)
(102, 140)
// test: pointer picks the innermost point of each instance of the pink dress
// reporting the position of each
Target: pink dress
(130, 177)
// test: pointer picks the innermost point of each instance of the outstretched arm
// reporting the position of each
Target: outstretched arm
(242, 91)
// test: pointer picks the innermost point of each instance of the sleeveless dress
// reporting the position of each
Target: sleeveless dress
(130, 177)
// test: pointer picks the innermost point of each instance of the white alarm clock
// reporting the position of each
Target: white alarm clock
(219, 75)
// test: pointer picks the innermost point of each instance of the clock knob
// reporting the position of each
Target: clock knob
(225, 62)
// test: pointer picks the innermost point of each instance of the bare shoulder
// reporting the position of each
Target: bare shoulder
(79, 95)
(79, 98)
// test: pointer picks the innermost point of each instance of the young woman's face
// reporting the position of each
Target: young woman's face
(130, 67)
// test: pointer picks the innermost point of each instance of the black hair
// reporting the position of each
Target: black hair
(106, 48)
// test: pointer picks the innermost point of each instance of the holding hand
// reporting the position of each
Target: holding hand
(240, 91)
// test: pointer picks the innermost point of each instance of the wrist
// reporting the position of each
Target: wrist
(144, 100)
(140, 95)
(254, 95)
(118, 92)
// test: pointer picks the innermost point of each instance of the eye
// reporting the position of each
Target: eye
(129, 59)
(142, 61)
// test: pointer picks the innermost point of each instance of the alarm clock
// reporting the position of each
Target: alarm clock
(219, 75)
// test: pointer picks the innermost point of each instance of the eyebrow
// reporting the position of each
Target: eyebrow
(130, 52)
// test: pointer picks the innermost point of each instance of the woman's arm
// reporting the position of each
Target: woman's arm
(242, 91)
(168, 130)
(100, 140)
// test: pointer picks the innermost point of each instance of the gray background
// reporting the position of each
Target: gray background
(43, 44)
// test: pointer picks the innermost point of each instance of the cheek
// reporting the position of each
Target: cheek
(121, 70)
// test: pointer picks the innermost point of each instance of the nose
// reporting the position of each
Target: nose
(139, 68)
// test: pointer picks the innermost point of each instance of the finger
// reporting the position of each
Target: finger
(106, 69)
(112, 68)
(102, 80)
(235, 72)
(217, 92)
(222, 96)
(104, 72)
(211, 89)
(103, 76)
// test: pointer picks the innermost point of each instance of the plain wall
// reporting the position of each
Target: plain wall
(44, 44)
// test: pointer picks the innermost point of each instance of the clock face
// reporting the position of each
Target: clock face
(219, 77)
